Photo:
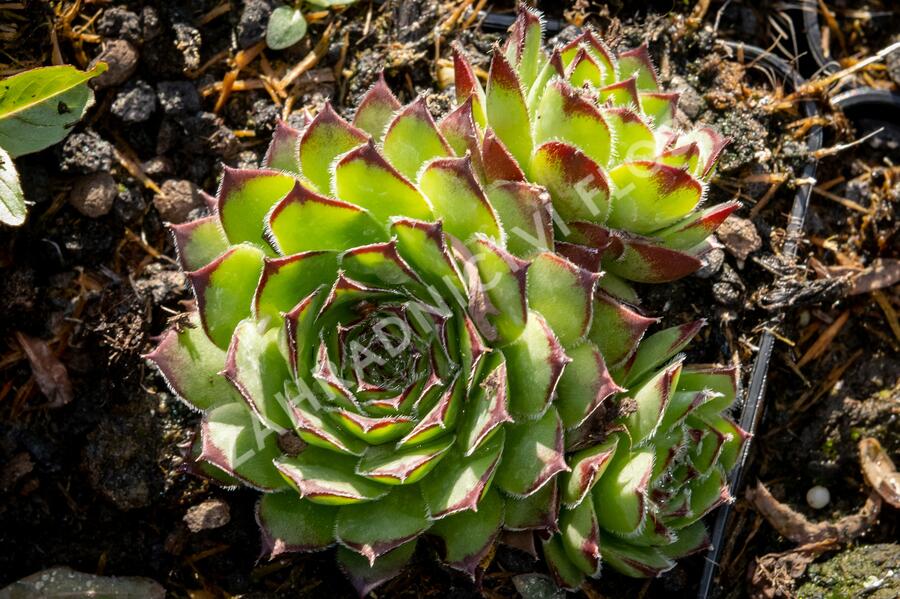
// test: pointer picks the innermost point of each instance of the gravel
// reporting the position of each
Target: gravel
(213, 513)
(739, 236)
(93, 195)
(135, 102)
(178, 198)
(187, 41)
(121, 57)
(118, 22)
(178, 97)
(251, 27)
(86, 152)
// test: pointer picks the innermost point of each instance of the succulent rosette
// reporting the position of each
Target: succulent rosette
(391, 340)
(594, 128)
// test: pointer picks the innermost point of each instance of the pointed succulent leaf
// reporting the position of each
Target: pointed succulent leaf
(660, 107)
(468, 535)
(634, 139)
(375, 528)
(327, 137)
(497, 162)
(458, 199)
(621, 495)
(524, 45)
(403, 466)
(320, 430)
(366, 575)
(632, 560)
(621, 93)
(588, 466)
(639, 63)
(722, 380)
(533, 456)
(685, 157)
(660, 347)
(290, 524)
(649, 196)
(257, 365)
(224, 289)
(580, 534)
(467, 84)
(284, 149)
(198, 242)
(564, 295)
(584, 70)
(711, 145)
(379, 264)
(691, 539)
(564, 115)
(534, 362)
(459, 481)
(363, 177)
(506, 110)
(244, 199)
(565, 573)
(577, 184)
(539, 511)
(695, 228)
(376, 109)
(422, 244)
(497, 299)
(553, 67)
(235, 442)
(190, 364)
(651, 398)
(460, 131)
(526, 214)
(286, 278)
(645, 260)
(412, 139)
(306, 221)
(706, 493)
(585, 384)
(616, 329)
(328, 478)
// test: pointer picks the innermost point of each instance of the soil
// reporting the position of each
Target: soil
(99, 484)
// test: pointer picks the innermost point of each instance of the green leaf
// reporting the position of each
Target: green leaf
(588, 466)
(632, 560)
(486, 408)
(579, 187)
(198, 242)
(467, 84)
(327, 137)
(412, 139)
(566, 574)
(468, 535)
(291, 524)
(535, 362)
(659, 347)
(634, 139)
(616, 329)
(580, 535)
(245, 198)
(39, 107)
(458, 482)
(506, 109)
(224, 290)
(364, 177)
(637, 62)
(365, 576)
(328, 478)
(12, 198)
(651, 398)
(564, 295)
(236, 442)
(564, 115)
(498, 302)
(532, 456)
(376, 109)
(191, 364)
(621, 495)
(257, 365)
(306, 221)
(286, 27)
(404, 466)
(457, 198)
(373, 529)
(539, 511)
(285, 280)
(584, 385)
(525, 211)
(284, 150)
(649, 196)
(423, 245)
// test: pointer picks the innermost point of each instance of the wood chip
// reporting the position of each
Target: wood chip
(879, 470)
(50, 374)
(883, 272)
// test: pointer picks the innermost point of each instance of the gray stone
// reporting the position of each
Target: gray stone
(739, 237)
(134, 103)
(178, 97)
(93, 195)
(85, 153)
(177, 200)
(210, 514)
(121, 58)
(119, 22)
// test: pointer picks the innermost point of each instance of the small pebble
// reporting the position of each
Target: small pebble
(134, 103)
(178, 97)
(85, 153)
(121, 23)
(187, 41)
(739, 237)
(121, 57)
(818, 497)
(213, 513)
(251, 27)
(177, 200)
(93, 195)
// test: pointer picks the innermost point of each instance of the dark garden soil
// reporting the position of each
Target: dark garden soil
(92, 477)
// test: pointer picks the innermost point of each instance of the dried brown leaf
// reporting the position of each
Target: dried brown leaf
(796, 527)
(49, 373)
(884, 272)
(879, 470)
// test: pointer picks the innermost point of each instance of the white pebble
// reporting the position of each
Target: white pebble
(818, 497)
